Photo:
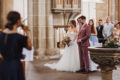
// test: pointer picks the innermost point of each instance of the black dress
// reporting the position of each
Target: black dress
(11, 46)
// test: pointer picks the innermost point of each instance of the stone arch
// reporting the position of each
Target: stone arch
(74, 17)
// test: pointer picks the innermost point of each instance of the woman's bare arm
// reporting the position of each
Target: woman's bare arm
(29, 43)
(95, 30)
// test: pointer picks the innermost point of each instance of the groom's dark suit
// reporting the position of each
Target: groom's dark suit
(84, 35)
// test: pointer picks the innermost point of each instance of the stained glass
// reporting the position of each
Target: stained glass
(57, 1)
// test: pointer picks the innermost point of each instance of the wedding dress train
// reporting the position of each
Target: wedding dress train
(70, 60)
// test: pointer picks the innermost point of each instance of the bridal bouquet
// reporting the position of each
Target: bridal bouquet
(66, 41)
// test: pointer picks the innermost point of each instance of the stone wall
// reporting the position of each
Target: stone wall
(102, 10)
(108, 8)
(41, 20)
(118, 10)
(6, 6)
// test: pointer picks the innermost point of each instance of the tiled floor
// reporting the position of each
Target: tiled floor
(36, 71)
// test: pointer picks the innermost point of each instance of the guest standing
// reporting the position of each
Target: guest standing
(93, 37)
(108, 29)
(99, 31)
(83, 43)
(11, 45)
(70, 58)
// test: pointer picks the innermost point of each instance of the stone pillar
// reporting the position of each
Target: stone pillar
(113, 9)
(41, 20)
(46, 30)
(42, 27)
(6, 6)
(102, 10)
(108, 8)
(50, 37)
(33, 23)
(117, 5)
(89, 10)
(118, 10)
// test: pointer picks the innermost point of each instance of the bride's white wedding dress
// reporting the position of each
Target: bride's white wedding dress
(70, 60)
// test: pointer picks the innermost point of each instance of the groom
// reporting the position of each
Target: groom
(83, 43)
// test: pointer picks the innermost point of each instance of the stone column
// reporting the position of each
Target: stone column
(33, 23)
(102, 10)
(113, 9)
(117, 5)
(6, 6)
(108, 8)
(50, 37)
(41, 20)
(118, 10)
(42, 27)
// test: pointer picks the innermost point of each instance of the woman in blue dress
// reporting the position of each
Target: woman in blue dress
(11, 45)
(93, 37)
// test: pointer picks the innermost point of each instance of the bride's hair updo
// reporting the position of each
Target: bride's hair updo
(73, 22)
(12, 19)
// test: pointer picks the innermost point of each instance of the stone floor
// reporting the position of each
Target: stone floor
(36, 71)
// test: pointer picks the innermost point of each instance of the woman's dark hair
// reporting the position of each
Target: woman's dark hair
(12, 18)
(92, 26)
(73, 22)
(100, 19)
(82, 17)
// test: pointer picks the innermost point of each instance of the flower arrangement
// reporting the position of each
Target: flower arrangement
(66, 41)
(112, 43)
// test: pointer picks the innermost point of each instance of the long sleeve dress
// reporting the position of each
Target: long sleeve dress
(11, 46)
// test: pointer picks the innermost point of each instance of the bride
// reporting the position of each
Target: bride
(70, 60)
